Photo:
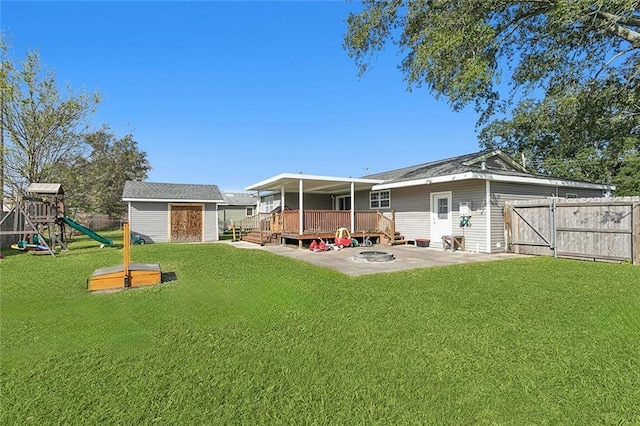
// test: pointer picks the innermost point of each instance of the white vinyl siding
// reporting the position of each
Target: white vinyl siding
(412, 205)
(472, 192)
(210, 222)
(150, 220)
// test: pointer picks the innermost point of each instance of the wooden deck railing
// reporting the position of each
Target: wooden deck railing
(387, 225)
(323, 221)
(258, 221)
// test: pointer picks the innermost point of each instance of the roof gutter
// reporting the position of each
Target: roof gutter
(170, 200)
(494, 178)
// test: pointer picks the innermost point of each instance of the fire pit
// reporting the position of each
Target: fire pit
(374, 256)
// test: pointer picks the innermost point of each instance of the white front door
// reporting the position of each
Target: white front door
(440, 216)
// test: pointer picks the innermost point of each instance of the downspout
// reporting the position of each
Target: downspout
(353, 213)
(300, 212)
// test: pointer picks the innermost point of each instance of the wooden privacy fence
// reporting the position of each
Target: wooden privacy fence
(589, 228)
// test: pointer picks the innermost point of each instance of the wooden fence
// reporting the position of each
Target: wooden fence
(589, 228)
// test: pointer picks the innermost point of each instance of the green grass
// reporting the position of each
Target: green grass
(244, 336)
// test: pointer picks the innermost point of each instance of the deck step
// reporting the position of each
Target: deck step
(254, 237)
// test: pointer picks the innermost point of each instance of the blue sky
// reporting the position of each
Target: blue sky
(231, 93)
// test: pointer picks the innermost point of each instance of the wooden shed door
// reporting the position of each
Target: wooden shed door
(186, 224)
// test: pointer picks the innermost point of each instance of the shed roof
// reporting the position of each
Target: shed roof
(167, 192)
(240, 199)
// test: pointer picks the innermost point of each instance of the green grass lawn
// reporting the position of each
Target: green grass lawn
(245, 336)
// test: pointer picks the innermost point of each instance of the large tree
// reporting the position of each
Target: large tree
(546, 59)
(98, 177)
(42, 127)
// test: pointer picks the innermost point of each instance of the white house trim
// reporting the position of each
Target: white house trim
(293, 176)
(300, 203)
(496, 178)
(488, 214)
(171, 200)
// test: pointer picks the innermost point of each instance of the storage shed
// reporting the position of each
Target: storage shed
(172, 212)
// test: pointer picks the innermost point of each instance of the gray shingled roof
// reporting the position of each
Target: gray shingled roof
(240, 199)
(170, 191)
(498, 163)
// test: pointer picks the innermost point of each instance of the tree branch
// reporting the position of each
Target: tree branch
(612, 27)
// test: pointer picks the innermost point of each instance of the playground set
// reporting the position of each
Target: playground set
(39, 220)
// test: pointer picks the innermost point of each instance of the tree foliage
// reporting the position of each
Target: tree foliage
(563, 72)
(47, 140)
(584, 133)
(102, 173)
(43, 127)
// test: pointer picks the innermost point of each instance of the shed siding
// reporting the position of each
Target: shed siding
(151, 220)
(504, 191)
(210, 222)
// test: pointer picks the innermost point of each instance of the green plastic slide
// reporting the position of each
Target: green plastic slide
(88, 232)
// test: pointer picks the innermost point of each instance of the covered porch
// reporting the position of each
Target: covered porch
(311, 207)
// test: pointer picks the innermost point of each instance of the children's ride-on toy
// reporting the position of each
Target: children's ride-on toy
(137, 239)
(342, 238)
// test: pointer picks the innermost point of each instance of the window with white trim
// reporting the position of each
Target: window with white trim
(249, 211)
(268, 204)
(380, 199)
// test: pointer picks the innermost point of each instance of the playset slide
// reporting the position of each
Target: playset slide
(88, 232)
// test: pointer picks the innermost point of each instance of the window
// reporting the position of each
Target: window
(380, 200)
(343, 203)
(268, 204)
(249, 211)
(443, 208)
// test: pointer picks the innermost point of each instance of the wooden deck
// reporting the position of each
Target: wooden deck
(284, 227)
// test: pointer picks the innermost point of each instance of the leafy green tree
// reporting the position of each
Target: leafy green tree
(584, 133)
(567, 71)
(99, 176)
(42, 127)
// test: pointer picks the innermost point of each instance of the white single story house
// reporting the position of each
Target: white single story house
(464, 195)
(171, 212)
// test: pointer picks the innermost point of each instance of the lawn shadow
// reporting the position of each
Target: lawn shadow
(169, 276)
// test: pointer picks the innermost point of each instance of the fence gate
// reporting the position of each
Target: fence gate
(591, 228)
(531, 229)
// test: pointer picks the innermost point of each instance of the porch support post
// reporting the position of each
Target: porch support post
(353, 212)
(282, 204)
(300, 211)
(259, 221)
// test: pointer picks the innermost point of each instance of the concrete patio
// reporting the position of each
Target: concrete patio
(406, 257)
